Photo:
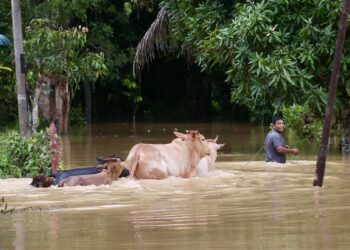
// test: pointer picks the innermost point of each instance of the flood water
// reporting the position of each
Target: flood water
(244, 203)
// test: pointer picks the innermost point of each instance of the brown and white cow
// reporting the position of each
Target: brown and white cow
(206, 164)
(158, 161)
(111, 170)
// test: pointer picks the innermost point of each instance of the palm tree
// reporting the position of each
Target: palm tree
(153, 40)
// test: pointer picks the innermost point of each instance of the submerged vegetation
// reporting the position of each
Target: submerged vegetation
(3, 207)
(303, 122)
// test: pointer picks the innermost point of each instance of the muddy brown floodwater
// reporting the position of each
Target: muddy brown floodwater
(244, 203)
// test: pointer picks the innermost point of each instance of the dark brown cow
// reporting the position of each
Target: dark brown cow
(112, 169)
(55, 179)
(42, 181)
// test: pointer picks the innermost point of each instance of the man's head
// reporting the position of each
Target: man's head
(277, 123)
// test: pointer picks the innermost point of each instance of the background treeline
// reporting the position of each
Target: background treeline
(171, 90)
(216, 60)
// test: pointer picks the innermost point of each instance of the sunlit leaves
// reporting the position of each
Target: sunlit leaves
(132, 91)
(5, 68)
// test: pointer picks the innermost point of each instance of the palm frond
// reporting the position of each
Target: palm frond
(153, 40)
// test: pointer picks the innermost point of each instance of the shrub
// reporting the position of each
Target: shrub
(300, 119)
(25, 156)
(76, 116)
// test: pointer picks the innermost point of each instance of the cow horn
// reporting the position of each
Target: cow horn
(216, 138)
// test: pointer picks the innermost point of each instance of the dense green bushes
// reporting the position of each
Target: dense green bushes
(302, 121)
(25, 156)
(306, 124)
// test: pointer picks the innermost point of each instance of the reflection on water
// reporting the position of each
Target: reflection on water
(242, 204)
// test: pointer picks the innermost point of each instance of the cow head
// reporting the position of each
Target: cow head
(42, 181)
(196, 139)
(102, 160)
(213, 147)
(114, 167)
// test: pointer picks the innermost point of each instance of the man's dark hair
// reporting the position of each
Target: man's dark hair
(276, 118)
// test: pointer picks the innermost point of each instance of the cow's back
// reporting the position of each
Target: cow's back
(156, 161)
(74, 172)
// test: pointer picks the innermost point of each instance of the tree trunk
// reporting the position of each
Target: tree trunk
(35, 109)
(322, 155)
(344, 142)
(88, 101)
(54, 103)
(23, 114)
(62, 101)
(134, 115)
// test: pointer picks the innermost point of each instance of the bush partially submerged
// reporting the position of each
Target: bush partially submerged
(25, 156)
(306, 124)
(303, 122)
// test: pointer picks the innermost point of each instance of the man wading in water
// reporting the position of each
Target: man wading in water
(275, 147)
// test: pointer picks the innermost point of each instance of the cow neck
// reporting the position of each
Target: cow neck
(213, 155)
(193, 157)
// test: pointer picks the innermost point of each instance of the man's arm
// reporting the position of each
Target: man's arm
(286, 150)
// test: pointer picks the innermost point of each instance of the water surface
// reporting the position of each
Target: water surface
(244, 203)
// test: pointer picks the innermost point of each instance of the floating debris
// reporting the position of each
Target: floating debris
(5, 210)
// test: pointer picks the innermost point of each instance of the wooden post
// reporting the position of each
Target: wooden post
(20, 68)
(322, 155)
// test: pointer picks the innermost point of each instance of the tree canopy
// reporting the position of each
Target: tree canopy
(272, 52)
(258, 56)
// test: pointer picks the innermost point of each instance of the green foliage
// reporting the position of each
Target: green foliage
(8, 102)
(5, 69)
(114, 28)
(76, 116)
(272, 52)
(61, 53)
(25, 156)
(300, 119)
(63, 11)
(132, 91)
(133, 94)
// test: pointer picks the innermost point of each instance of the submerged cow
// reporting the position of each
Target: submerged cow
(158, 161)
(112, 168)
(55, 179)
(206, 164)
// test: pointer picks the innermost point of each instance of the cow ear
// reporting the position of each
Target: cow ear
(180, 135)
(218, 146)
